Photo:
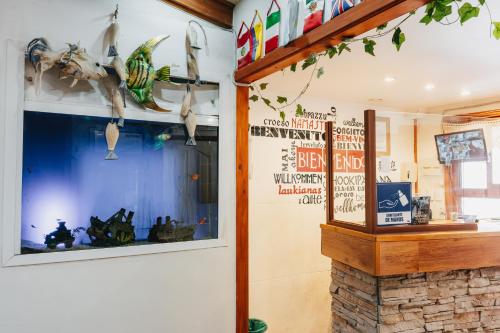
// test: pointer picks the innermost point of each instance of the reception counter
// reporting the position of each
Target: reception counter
(415, 282)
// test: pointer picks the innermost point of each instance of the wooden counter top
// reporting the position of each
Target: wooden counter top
(390, 254)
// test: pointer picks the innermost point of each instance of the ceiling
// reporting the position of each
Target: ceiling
(462, 63)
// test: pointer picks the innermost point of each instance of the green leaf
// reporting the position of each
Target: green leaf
(268, 103)
(496, 30)
(321, 71)
(467, 11)
(382, 27)
(398, 38)
(441, 10)
(299, 111)
(369, 46)
(282, 115)
(342, 47)
(254, 98)
(251, 88)
(426, 19)
(482, 2)
(332, 51)
(311, 60)
(282, 99)
(263, 86)
(293, 67)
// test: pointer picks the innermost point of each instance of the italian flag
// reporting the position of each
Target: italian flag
(273, 25)
(244, 46)
(314, 14)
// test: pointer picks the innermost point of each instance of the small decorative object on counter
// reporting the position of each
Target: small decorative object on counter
(314, 14)
(273, 26)
(171, 231)
(115, 231)
(244, 46)
(421, 210)
(257, 35)
(142, 74)
(61, 235)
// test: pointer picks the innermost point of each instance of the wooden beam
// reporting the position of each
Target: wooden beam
(394, 254)
(219, 12)
(356, 21)
(242, 110)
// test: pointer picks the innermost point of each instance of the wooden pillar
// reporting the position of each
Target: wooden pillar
(370, 171)
(242, 110)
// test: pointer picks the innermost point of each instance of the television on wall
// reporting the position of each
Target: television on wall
(461, 146)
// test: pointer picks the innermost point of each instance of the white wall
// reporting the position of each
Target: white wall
(190, 291)
(289, 278)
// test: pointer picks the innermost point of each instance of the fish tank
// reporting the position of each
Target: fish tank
(158, 190)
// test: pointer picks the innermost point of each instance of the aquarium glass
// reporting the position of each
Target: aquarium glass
(66, 183)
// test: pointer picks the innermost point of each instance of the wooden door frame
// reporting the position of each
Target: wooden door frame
(358, 20)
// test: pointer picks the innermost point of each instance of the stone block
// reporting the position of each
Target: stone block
(428, 309)
(479, 282)
(437, 325)
(391, 319)
(403, 326)
(402, 293)
(446, 300)
(388, 309)
(438, 316)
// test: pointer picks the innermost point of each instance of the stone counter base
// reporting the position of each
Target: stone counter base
(452, 301)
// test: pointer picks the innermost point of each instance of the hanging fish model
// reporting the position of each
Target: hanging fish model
(186, 102)
(118, 106)
(192, 61)
(191, 128)
(112, 135)
(73, 62)
(121, 70)
(141, 74)
(114, 31)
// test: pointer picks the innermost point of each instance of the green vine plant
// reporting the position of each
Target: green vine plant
(440, 11)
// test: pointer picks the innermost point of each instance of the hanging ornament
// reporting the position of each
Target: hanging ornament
(314, 14)
(244, 46)
(273, 27)
(257, 34)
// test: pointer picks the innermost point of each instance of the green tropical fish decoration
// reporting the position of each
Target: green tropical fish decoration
(141, 74)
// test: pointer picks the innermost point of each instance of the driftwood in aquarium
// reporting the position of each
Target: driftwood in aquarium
(171, 231)
(61, 235)
(115, 231)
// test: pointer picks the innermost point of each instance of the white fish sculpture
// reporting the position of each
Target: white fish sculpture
(186, 102)
(114, 32)
(73, 62)
(118, 106)
(192, 61)
(120, 69)
(191, 128)
(112, 135)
